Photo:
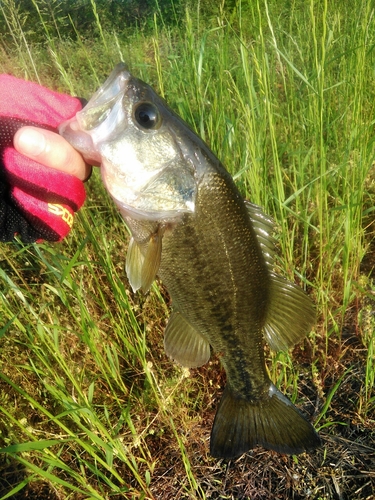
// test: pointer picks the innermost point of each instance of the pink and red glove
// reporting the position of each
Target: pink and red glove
(36, 202)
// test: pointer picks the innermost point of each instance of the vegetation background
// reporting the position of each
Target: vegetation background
(283, 92)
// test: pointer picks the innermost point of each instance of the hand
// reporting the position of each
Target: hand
(51, 150)
(40, 192)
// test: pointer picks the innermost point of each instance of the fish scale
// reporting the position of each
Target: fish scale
(221, 260)
(213, 251)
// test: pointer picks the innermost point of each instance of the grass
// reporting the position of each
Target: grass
(90, 408)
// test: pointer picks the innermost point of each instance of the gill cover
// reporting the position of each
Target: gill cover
(135, 136)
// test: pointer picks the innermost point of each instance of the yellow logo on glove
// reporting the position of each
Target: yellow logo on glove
(62, 212)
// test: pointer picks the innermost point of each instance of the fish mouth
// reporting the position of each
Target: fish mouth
(80, 140)
(99, 117)
(101, 104)
(139, 188)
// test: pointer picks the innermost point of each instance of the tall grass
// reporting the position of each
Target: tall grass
(285, 96)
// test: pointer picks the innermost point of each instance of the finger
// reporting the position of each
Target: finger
(51, 150)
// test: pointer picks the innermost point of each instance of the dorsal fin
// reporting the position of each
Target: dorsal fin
(291, 313)
(290, 316)
(263, 226)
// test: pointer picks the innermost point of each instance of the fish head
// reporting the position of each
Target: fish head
(148, 155)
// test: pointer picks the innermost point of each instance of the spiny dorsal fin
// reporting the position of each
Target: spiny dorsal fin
(142, 268)
(263, 226)
(290, 316)
(184, 344)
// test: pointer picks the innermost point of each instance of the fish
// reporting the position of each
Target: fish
(212, 249)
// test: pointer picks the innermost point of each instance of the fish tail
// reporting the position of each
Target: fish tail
(272, 422)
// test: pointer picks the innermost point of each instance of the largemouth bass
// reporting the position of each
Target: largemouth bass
(212, 250)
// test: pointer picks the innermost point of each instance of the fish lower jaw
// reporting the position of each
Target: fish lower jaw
(80, 140)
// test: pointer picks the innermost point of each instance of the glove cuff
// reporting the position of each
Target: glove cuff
(52, 220)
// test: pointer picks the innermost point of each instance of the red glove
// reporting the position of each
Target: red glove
(36, 202)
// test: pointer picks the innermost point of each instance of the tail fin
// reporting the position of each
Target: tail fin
(274, 423)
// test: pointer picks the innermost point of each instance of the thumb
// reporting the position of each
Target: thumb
(51, 150)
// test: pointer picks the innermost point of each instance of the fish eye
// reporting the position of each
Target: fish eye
(147, 116)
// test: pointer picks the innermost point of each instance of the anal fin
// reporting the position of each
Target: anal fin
(184, 344)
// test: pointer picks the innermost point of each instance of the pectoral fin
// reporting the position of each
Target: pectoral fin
(152, 260)
(142, 267)
(184, 344)
(291, 314)
(134, 264)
